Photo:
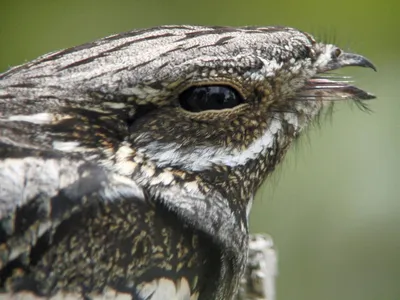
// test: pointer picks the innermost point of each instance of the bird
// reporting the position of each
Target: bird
(129, 164)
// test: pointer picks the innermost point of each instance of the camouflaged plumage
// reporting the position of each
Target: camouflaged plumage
(109, 187)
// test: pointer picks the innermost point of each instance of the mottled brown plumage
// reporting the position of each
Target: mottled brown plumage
(128, 165)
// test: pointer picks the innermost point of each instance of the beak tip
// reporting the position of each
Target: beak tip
(369, 96)
(373, 67)
(364, 62)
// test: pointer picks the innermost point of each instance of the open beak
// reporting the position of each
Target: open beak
(331, 87)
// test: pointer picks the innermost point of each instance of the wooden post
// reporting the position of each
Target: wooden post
(259, 280)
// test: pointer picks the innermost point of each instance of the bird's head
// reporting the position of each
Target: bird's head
(217, 108)
(197, 115)
(224, 104)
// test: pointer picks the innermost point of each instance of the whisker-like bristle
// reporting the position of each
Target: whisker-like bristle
(332, 75)
(315, 87)
(362, 105)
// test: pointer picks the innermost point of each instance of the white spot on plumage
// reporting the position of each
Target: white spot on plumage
(148, 171)
(292, 120)
(114, 105)
(41, 118)
(137, 91)
(165, 178)
(148, 289)
(65, 146)
(150, 90)
(124, 160)
(125, 168)
(269, 67)
(191, 186)
(121, 186)
(182, 289)
(164, 288)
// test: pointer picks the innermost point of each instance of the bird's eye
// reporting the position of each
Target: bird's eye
(212, 97)
(337, 52)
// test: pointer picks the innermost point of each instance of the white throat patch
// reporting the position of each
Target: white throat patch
(202, 158)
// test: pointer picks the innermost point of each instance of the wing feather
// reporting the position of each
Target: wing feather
(41, 189)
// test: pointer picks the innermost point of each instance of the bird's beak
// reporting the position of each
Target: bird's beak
(329, 87)
(350, 59)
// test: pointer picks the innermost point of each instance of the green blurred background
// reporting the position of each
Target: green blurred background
(333, 207)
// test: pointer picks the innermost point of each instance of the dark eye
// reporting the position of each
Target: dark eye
(337, 52)
(200, 98)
